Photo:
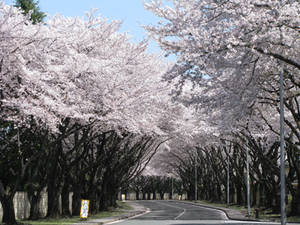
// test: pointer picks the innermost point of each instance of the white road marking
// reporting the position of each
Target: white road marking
(209, 209)
(184, 210)
(179, 215)
(120, 221)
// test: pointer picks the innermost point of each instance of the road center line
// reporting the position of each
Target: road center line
(120, 221)
(179, 215)
(184, 210)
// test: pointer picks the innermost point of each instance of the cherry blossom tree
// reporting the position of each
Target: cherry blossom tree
(71, 74)
(233, 51)
(79, 69)
(228, 47)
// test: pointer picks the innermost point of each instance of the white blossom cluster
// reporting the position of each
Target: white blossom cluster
(228, 49)
(85, 70)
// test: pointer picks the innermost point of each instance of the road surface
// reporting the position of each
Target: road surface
(180, 213)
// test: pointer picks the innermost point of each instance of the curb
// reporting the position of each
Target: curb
(126, 216)
(223, 210)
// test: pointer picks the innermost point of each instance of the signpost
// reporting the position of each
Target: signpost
(84, 210)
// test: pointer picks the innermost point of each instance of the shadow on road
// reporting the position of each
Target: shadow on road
(202, 223)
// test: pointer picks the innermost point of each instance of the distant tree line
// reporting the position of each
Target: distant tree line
(212, 163)
(147, 187)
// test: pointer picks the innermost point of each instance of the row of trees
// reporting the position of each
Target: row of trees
(90, 165)
(152, 185)
(76, 93)
(82, 110)
(212, 167)
(230, 55)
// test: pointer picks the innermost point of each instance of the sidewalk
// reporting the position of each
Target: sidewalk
(231, 213)
(137, 209)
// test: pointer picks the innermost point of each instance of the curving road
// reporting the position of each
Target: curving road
(180, 213)
(174, 210)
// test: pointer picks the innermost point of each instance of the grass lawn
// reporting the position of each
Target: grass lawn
(264, 215)
(122, 207)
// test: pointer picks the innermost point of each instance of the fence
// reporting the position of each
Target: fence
(22, 205)
(132, 196)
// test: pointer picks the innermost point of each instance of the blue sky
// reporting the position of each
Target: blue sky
(131, 12)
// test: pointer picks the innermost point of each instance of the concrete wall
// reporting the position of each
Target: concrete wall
(22, 205)
(132, 196)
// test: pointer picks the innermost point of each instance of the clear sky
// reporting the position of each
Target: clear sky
(131, 12)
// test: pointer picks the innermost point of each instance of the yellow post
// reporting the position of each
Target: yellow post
(84, 210)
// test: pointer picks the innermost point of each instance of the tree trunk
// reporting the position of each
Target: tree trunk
(162, 195)
(76, 202)
(295, 208)
(261, 195)
(65, 202)
(104, 197)
(254, 194)
(34, 199)
(55, 181)
(219, 191)
(103, 202)
(137, 195)
(113, 196)
(98, 194)
(276, 204)
(154, 195)
(53, 201)
(93, 206)
(269, 199)
(8, 209)
(92, 196)
(239, 195)
(232, 195)
(295, 191)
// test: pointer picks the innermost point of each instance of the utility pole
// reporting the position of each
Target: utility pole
(196, 198)
(228, 179)
(282, 154)
(248, 183)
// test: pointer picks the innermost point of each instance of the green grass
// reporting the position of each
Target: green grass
(293, 219)
(236, 207)
(65, 221)
(264, 215)
(122, 207)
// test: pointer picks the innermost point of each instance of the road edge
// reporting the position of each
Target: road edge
(240, 217)
(138, 210)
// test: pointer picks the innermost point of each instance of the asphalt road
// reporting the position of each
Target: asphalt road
(179, 213)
